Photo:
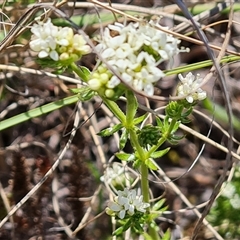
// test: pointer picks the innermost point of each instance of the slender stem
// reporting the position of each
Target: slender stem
(131, 110)
(145, 182)
(141, 153)
(130, 114)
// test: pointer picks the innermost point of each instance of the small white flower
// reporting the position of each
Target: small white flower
(190, 88)
(43, 40)
(113, 173)
(127, 202)
(56, 42)
(80, 44)
(113, 82)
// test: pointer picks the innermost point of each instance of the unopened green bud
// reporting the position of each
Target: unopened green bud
(94, 84)
(109, 93)
(101, 69)
(104, 78)
(149, 135)
(174, 110)
(64, 56)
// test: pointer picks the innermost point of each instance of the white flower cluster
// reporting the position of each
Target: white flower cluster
(56, 42)
(126, 202)
(114, 173)
(134, 52)
(190, 88)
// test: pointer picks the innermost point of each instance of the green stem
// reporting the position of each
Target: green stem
(145, 182)
(131, 110)
(141, 153)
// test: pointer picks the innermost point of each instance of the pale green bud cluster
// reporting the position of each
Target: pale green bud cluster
(101, 81)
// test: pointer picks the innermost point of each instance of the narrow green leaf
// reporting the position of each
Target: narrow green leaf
(125, 156)
(176, 126)
(127, 225)
(123, 139)
(188, 112)
(151, 164)
(110, 131)
(160, 153)
(167, 235)
(220, 113)
(137, 163)
(85, 93)
(85, 71)
(177, 138)
(159, 122)
(123, 228)
(37, 112)
(158, 204)
(147, 236)
(139, 119)
(132, 106)
(200, 65)
(118, 231)
(165, 124)
(138, 227)
(185, 120)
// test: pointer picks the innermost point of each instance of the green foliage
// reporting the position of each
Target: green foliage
(125, 156)
(225, 214)
(158, 205)
(84, 93)
(174, 110)
(168, 128)
(110, 131)
(135, 222)
(149, 135)
(151, 164)
(123, 138)
(160, 153)
(49, 63)
(220, 113)
(140, 119)
(167, 235)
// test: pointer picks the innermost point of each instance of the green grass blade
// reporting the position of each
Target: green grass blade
(200, 65)
(220, 113)
(37, 112)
